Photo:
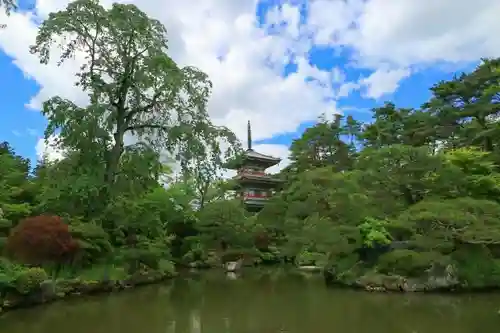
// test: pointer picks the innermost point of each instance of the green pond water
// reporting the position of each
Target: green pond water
(258, 302)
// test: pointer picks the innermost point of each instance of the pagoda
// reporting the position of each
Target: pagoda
(254, 186)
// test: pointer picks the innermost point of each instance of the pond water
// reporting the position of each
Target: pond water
(258, 302)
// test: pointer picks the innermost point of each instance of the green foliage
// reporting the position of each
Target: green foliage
(412, 190)
(103, 272)
(29, 280)
(439, 224)
(476, 266)
(321, 145)
(23, 280)
(408, 262)
(14, 185)
(480, 177)
(224, 221)
(93, 242)
(374, 232)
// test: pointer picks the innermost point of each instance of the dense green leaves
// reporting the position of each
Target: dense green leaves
(141, 185)
(135, 89)
(321, 145)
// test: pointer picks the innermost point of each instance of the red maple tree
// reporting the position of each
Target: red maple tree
(41, 240)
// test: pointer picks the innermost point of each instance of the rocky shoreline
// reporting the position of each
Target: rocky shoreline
(50, 291)
(433, 282)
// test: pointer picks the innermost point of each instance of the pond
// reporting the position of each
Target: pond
(258, 302)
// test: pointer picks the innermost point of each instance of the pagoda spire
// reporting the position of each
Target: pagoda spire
(249, 136)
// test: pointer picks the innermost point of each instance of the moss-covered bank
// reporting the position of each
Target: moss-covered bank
(407, 270)
(46, 291)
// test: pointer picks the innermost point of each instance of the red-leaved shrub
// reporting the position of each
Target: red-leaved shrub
(41, 240)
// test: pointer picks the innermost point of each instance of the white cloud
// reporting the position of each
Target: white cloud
(247, 83)
(49, 149)
(391, 38)
(406, 33)
(425, 31)
(280, 151)
(410, 31)
(382, 81)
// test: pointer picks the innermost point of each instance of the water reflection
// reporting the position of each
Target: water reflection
(258, 303)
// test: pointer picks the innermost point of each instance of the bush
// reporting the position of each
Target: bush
(310, 258)
(5, 225)
(29, 280)
(8, 275)
(343, 268)
(41, 240)
(93, 242)
(226, 223)
(407, 262)
(22, 279)
(476, 266)
(438, 225)
(374, 232)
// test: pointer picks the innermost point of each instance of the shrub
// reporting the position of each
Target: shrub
(29, 280)
(5, 225)
(41, 240)
(8, 275)
(476, 266)
(17, 277)
(407, 262)
(93, 242)
(374, 232)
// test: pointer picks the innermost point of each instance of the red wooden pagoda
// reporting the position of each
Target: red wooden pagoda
(254, 186)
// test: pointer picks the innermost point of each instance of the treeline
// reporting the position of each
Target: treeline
(417, 206)
(413, 193)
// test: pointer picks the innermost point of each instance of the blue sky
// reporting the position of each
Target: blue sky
(22, 127)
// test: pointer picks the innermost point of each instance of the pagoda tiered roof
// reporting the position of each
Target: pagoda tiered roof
(252, 182)
(251, 156)
(262, 179)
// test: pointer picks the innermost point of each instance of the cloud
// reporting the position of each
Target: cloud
(382, 81)
(405, 34)
(391, 39)
(247, 84)
(409, 32)
(280, 151)
(49, 149)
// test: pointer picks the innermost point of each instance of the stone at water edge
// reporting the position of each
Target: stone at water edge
(233, 266)
(310, 268)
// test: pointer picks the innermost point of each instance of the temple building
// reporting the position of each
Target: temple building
(254, 186)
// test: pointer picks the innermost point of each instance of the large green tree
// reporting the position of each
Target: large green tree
(15, 186)
(135, 89)
(466, 108)
(321, 145)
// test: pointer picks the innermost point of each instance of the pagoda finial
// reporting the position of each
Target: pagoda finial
(249, 133)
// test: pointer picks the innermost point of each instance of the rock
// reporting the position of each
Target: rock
(310, 268)
(48, 289)
(434, 280)
(233, 266)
